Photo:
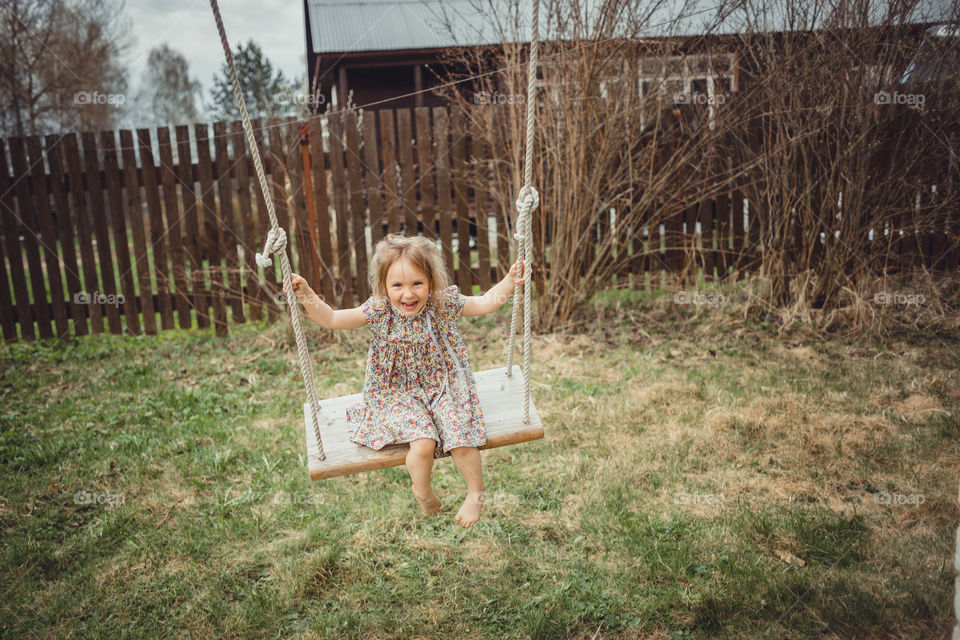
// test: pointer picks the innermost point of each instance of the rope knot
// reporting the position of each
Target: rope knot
(527, 200)
(276, 241)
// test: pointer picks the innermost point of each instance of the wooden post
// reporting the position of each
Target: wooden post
(418, 83)
(300, 230)
(342, 87)
(307, 171)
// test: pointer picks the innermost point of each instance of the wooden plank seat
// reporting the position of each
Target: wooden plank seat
(501, 399)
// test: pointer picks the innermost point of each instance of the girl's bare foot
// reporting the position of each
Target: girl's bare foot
(429, 503)
(470, 511)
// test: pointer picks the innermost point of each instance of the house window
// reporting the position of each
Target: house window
(613, 84)
(697, 79)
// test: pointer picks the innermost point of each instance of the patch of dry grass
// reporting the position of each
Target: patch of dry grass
(698, 465)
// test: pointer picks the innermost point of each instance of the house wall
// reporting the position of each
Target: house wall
(391, 80)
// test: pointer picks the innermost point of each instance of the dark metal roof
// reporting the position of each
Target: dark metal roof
(394, 25)
(340, 26)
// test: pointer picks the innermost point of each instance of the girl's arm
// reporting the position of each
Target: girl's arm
(321, 313)
(495, 297)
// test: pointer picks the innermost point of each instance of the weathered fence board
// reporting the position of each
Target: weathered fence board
(442, 143)
(230, 233)
(427, 175)
(344, 280)
(191, 230)
(47, 232)
(388, 151)
(21, 188)
(173, 235)
(373, 184)
(299, 179)
(322, 213)
(248, 237)
(17, 275)
(121, 242)
(58, 176)
(358, 221)
(85, 232)
(135, 214)
(480, 154)
(459, 172)
(157, 228)
(408, 198)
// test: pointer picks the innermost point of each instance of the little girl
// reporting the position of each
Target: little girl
(419, 387)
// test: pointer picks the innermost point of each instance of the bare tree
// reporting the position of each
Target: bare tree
(835, 180)
(167, 92)
(614, 164)
(846, 185)
(60, 65)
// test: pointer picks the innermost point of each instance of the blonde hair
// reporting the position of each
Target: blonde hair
(422, 254)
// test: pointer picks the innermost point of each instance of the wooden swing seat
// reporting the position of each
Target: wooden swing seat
(501, 399)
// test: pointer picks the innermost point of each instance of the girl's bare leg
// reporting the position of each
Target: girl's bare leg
(467, 460)
(420, 465)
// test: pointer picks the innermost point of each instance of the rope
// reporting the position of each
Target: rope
(527, 201)
(275, 243)
(276, 238)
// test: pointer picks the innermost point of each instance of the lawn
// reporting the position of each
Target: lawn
(702, 476)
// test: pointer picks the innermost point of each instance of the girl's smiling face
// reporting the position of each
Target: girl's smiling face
(407, 287)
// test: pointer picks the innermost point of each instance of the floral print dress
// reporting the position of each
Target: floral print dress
(418, 380)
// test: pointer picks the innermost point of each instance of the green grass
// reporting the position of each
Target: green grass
(679, 493)
(633, 285)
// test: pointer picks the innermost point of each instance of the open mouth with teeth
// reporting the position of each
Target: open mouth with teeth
(409, 307)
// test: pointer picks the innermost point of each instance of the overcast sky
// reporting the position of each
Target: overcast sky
(188, 27)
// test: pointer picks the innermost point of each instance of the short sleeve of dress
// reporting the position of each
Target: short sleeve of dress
(375, 313)
(451, 303)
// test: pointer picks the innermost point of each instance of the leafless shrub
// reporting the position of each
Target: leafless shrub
(829, 175)
(612, 164)
(842, 167)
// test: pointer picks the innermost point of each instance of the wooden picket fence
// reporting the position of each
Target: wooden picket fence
(202, 218)
(106, 231)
